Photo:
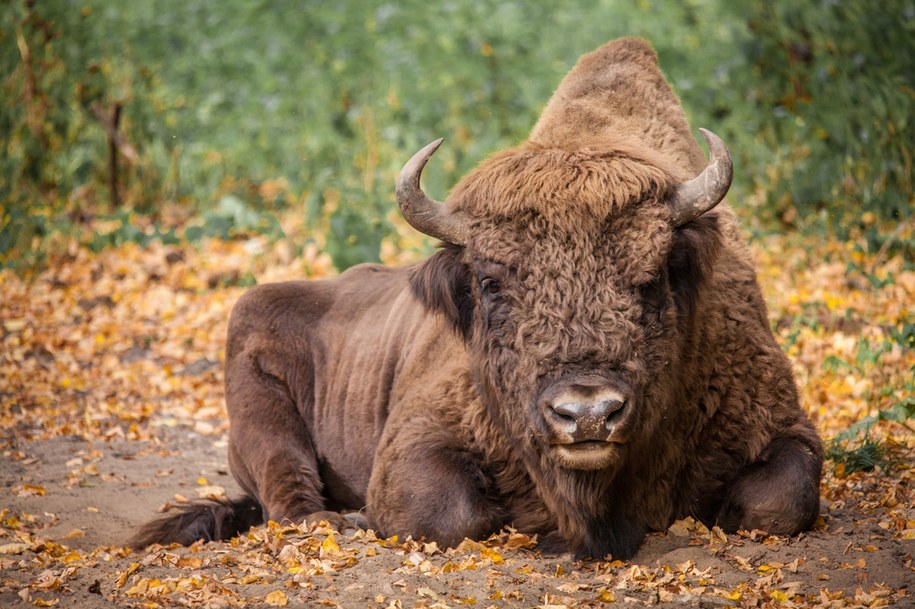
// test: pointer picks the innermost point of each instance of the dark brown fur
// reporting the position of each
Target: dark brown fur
(415, 392)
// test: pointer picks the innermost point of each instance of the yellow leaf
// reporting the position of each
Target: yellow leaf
(41, 602)
(330, 547)
(492, 555)
(779, 596)
(277, 598)
(191, 562)
(606, 596)
(733, 595)
(71, 556)
(519, 540)
(28, 490)
(469, 545)
(139, 588)
(122, 578)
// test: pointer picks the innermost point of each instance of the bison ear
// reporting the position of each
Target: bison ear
(442, 283)
(695, 248)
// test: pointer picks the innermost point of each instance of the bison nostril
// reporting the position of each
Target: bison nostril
(565, 418)
(610, 410)
(569, 412)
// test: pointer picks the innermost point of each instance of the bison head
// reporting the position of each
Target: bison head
(574, 263)
(573, 275)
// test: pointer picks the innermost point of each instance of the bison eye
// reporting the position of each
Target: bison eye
(489, 286)
(653, 298)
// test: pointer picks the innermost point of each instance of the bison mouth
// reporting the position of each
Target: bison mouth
(586, 455)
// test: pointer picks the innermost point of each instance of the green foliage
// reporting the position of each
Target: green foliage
(854, 448)
(834, 85)
(232, 218)
(317, 105)
(123, 230)
(862, 457)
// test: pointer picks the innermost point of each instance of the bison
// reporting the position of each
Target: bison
(587, 357)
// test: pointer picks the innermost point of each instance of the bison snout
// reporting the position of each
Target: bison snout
(574, 419)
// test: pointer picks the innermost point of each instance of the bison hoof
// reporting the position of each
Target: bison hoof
(356, 520)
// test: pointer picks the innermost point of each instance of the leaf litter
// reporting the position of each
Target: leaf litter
(119, 354)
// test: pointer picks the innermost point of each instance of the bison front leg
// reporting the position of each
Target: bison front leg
(779, 492)
(271, 452)
(426, 485)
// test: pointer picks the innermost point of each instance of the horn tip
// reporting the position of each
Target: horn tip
(710, 136)
(433, 146)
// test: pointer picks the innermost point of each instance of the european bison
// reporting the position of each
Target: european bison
(586, 358)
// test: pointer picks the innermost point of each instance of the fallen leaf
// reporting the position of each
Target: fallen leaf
(606, 596)
(427, 593)
(330, 547)
(28, 490)
(277, 598)
(211, 492)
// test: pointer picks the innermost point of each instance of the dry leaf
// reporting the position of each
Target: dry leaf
(277, 598)
(211, 492)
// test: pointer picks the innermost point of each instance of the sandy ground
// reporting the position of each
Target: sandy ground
(60, 546)
(111, 407)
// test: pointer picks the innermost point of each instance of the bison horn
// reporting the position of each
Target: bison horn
(691, 199)
(424, 214)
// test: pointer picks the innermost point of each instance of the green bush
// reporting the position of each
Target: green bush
(834, 83)
(316, 106)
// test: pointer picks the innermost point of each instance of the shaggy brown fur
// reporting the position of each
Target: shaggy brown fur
(428, 394)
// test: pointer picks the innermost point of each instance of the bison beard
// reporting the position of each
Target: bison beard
(587, 358)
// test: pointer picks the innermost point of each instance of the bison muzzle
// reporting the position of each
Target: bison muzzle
(587, 357)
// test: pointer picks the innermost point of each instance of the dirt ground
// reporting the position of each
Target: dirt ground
(65, 550)
(111, 407)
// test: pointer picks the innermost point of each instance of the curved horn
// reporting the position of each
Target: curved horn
(424, 214)
(691, 199)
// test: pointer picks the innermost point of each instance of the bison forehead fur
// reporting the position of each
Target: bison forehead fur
(587, 357)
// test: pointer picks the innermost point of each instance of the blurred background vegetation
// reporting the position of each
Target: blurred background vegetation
(180, 119)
